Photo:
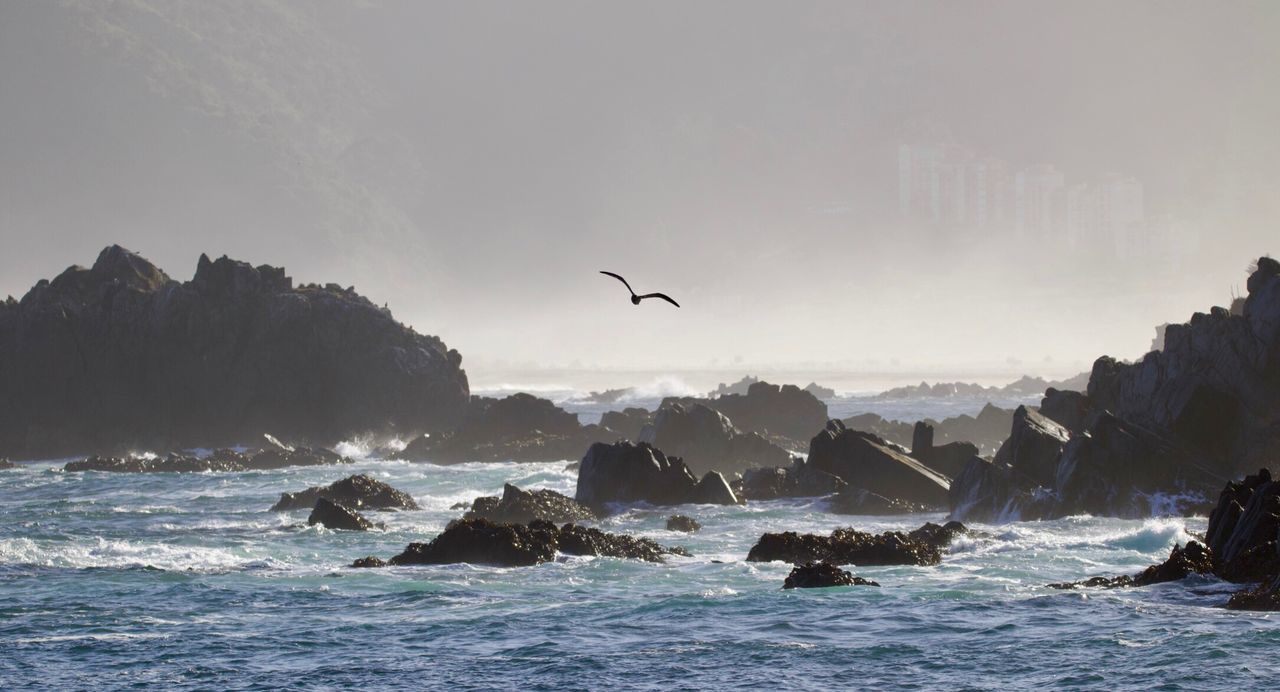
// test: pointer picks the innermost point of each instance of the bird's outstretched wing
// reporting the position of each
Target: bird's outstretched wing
(619, 278)
(660, 295)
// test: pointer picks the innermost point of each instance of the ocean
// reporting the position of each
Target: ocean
(165, 581)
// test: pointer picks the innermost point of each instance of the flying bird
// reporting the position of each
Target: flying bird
(635, 299)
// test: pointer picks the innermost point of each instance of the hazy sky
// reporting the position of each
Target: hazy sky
(474, 164)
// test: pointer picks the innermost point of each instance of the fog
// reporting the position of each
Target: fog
(474, 164)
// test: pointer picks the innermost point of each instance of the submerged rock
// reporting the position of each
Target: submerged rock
(479, 541)
(679, 522)
(369, 562)
(334, 516)
(708, 440)
(1182, 562)
(867, 462)
(847, 546)
(624, 473)
(818, 575)
(518, 506)
(359, 492)
(220, 460)
(120, 356)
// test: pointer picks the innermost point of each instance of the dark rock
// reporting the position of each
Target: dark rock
(987, 431)
(627, 423)
(220, 460)
(798, 480)
(780, 413)
(818, 575)
(355, 492)
(368, 562)
(624, 473)
(948, 459)
(867, 462)
(1264, 596)
(6, 464)
(1195, 558)
(520, 427)
(518, 506)
(680, 522)
(120, 356)
(335, 516)
(708, 440)
(847, 546)
(819, 391)
(1066, 408)
(479, 541)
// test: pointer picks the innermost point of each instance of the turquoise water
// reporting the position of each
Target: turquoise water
(164, 581)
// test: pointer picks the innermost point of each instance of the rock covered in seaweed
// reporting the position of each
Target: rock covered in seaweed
(822, 574)
(683, 524)
(517, 506)
(922, 546)
(479, 541)
(357, 492)
(220, 460)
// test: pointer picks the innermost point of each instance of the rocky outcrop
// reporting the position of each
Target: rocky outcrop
(479, 541)
(708, 440)
(986, 431)
(784, 414)
(520, 427)
(1161, 435)
(800, 479)
(1182, 563)
(334, 516)
(922, 546)
(948, 459)
(358, 492)
(818, 575)
(627, 423)
(626, 473)
(517, 506)
(220, 460)
(119, 356)
(869, 463)
(683, 524)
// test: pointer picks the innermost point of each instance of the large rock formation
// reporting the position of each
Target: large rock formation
(479, 541)
(624, 473)
(627, 423)
(948, 459)
(1156, 436)
(869, 463)
(708, 441)
(521, 427)
(785, 414)
(119, 356)
(353, 492)
(332, 515)
(986, 431)
(517, 506)
(922, 546)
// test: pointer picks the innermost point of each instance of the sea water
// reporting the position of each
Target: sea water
(161, 581)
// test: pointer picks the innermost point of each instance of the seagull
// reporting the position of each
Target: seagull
(635, 299)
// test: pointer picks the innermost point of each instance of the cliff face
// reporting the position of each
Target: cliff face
(120, 356)
(1156, 436)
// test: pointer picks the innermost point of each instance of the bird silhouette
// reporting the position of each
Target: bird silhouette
(635, 299)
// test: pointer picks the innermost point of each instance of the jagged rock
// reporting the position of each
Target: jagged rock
(624, 473)
(994, 492)
(987, 431)
(369, 562)
(518, 506)
(1264, 596)
(334, 516)
(847, 546)
(867, 462)
(798, 480)
(354, 492)
(1066, 408)
(1035, 443)
(775, 412)
(520, 427)
(1243, 529)
(708, 440)
(948, 459)
(1195, 558)
(680, 522)
(120, 356)
(818, 575)
(627, 423)
(173, 463)
(479, 541)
